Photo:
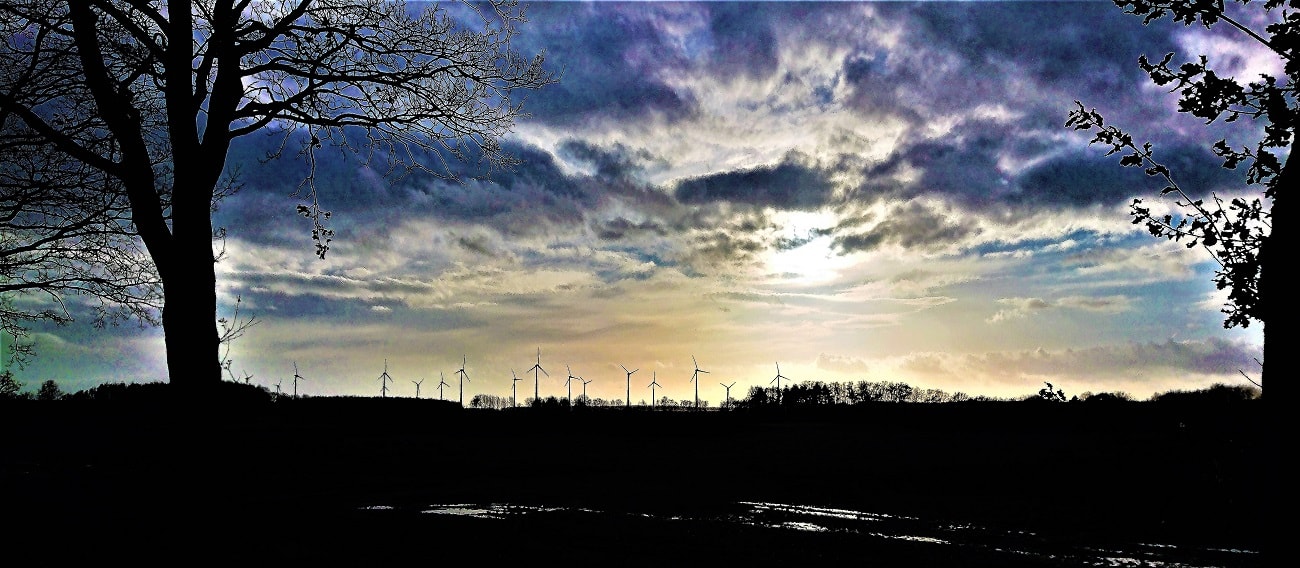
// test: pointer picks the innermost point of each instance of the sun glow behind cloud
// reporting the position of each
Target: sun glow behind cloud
(805, 257)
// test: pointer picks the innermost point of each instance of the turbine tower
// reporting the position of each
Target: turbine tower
(569, 383)
(584, 389)
(383, 381)
(297, 377)
(417, 387)
(629, 384)
(695, 378)
(654, 382)
(514, 387)
(463, 377)
(537, 397)
(442, 382)
(728, 387)
(777, 380)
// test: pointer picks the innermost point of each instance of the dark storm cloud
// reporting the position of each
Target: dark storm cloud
(612, 53)
(618, 162)
(743, 39)
(966, 170)
(361, 197)
(876, 88)
(609, 54)
(1089, 43)
(1092, 178)
(958, 55)
(537, 188)
(964, 167)
(788, 185)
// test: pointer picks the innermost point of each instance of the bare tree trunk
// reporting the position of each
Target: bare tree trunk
(182, 252)
(189, 317)
(1268, 304)
(1275, 357)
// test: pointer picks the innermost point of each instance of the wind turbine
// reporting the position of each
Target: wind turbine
(728, 387)
(514, 388)
(463, 377)
(629, 384)
(296, 378)
(442, 382)
(417, 387)
(277, 386)
(654, 382)
(695, 379)
(569, 383)
(584, 389)
(537, 397)
(383, 381)
(777, 380)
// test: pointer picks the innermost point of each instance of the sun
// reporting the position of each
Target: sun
(807, 258)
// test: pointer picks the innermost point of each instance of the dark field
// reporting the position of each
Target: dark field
(348, 480)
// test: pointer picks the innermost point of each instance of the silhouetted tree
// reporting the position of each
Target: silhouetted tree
(1046, 393)
(489, 401)
(142, 99)
(1107, 397)
(1239, 233)
(9, 386)
(756, 398)
(62, 234)
(897, 392)
(1218, 393)
(49, 391)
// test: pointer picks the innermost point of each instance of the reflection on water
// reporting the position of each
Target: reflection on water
(807, 518)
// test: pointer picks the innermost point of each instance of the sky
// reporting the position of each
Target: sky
(879, 191)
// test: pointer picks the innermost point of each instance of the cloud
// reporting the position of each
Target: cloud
(723, 251)
(1045, 42)
(1084, 178)
(1019, 308)
(911, 225)
(610, 56)
(1155, 365)
(791, 184)
(743, 39)
(614, 163)
(1025, 307)
(1153, 262)
(1105, 304)
(619, 227)
(841, 364)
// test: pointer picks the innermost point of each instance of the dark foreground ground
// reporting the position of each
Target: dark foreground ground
(348, 481)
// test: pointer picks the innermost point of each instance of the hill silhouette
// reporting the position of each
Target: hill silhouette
(129, 471)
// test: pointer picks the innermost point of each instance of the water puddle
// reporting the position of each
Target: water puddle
(862, 524)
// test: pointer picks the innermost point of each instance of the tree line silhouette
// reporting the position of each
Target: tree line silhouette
(803, 395)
